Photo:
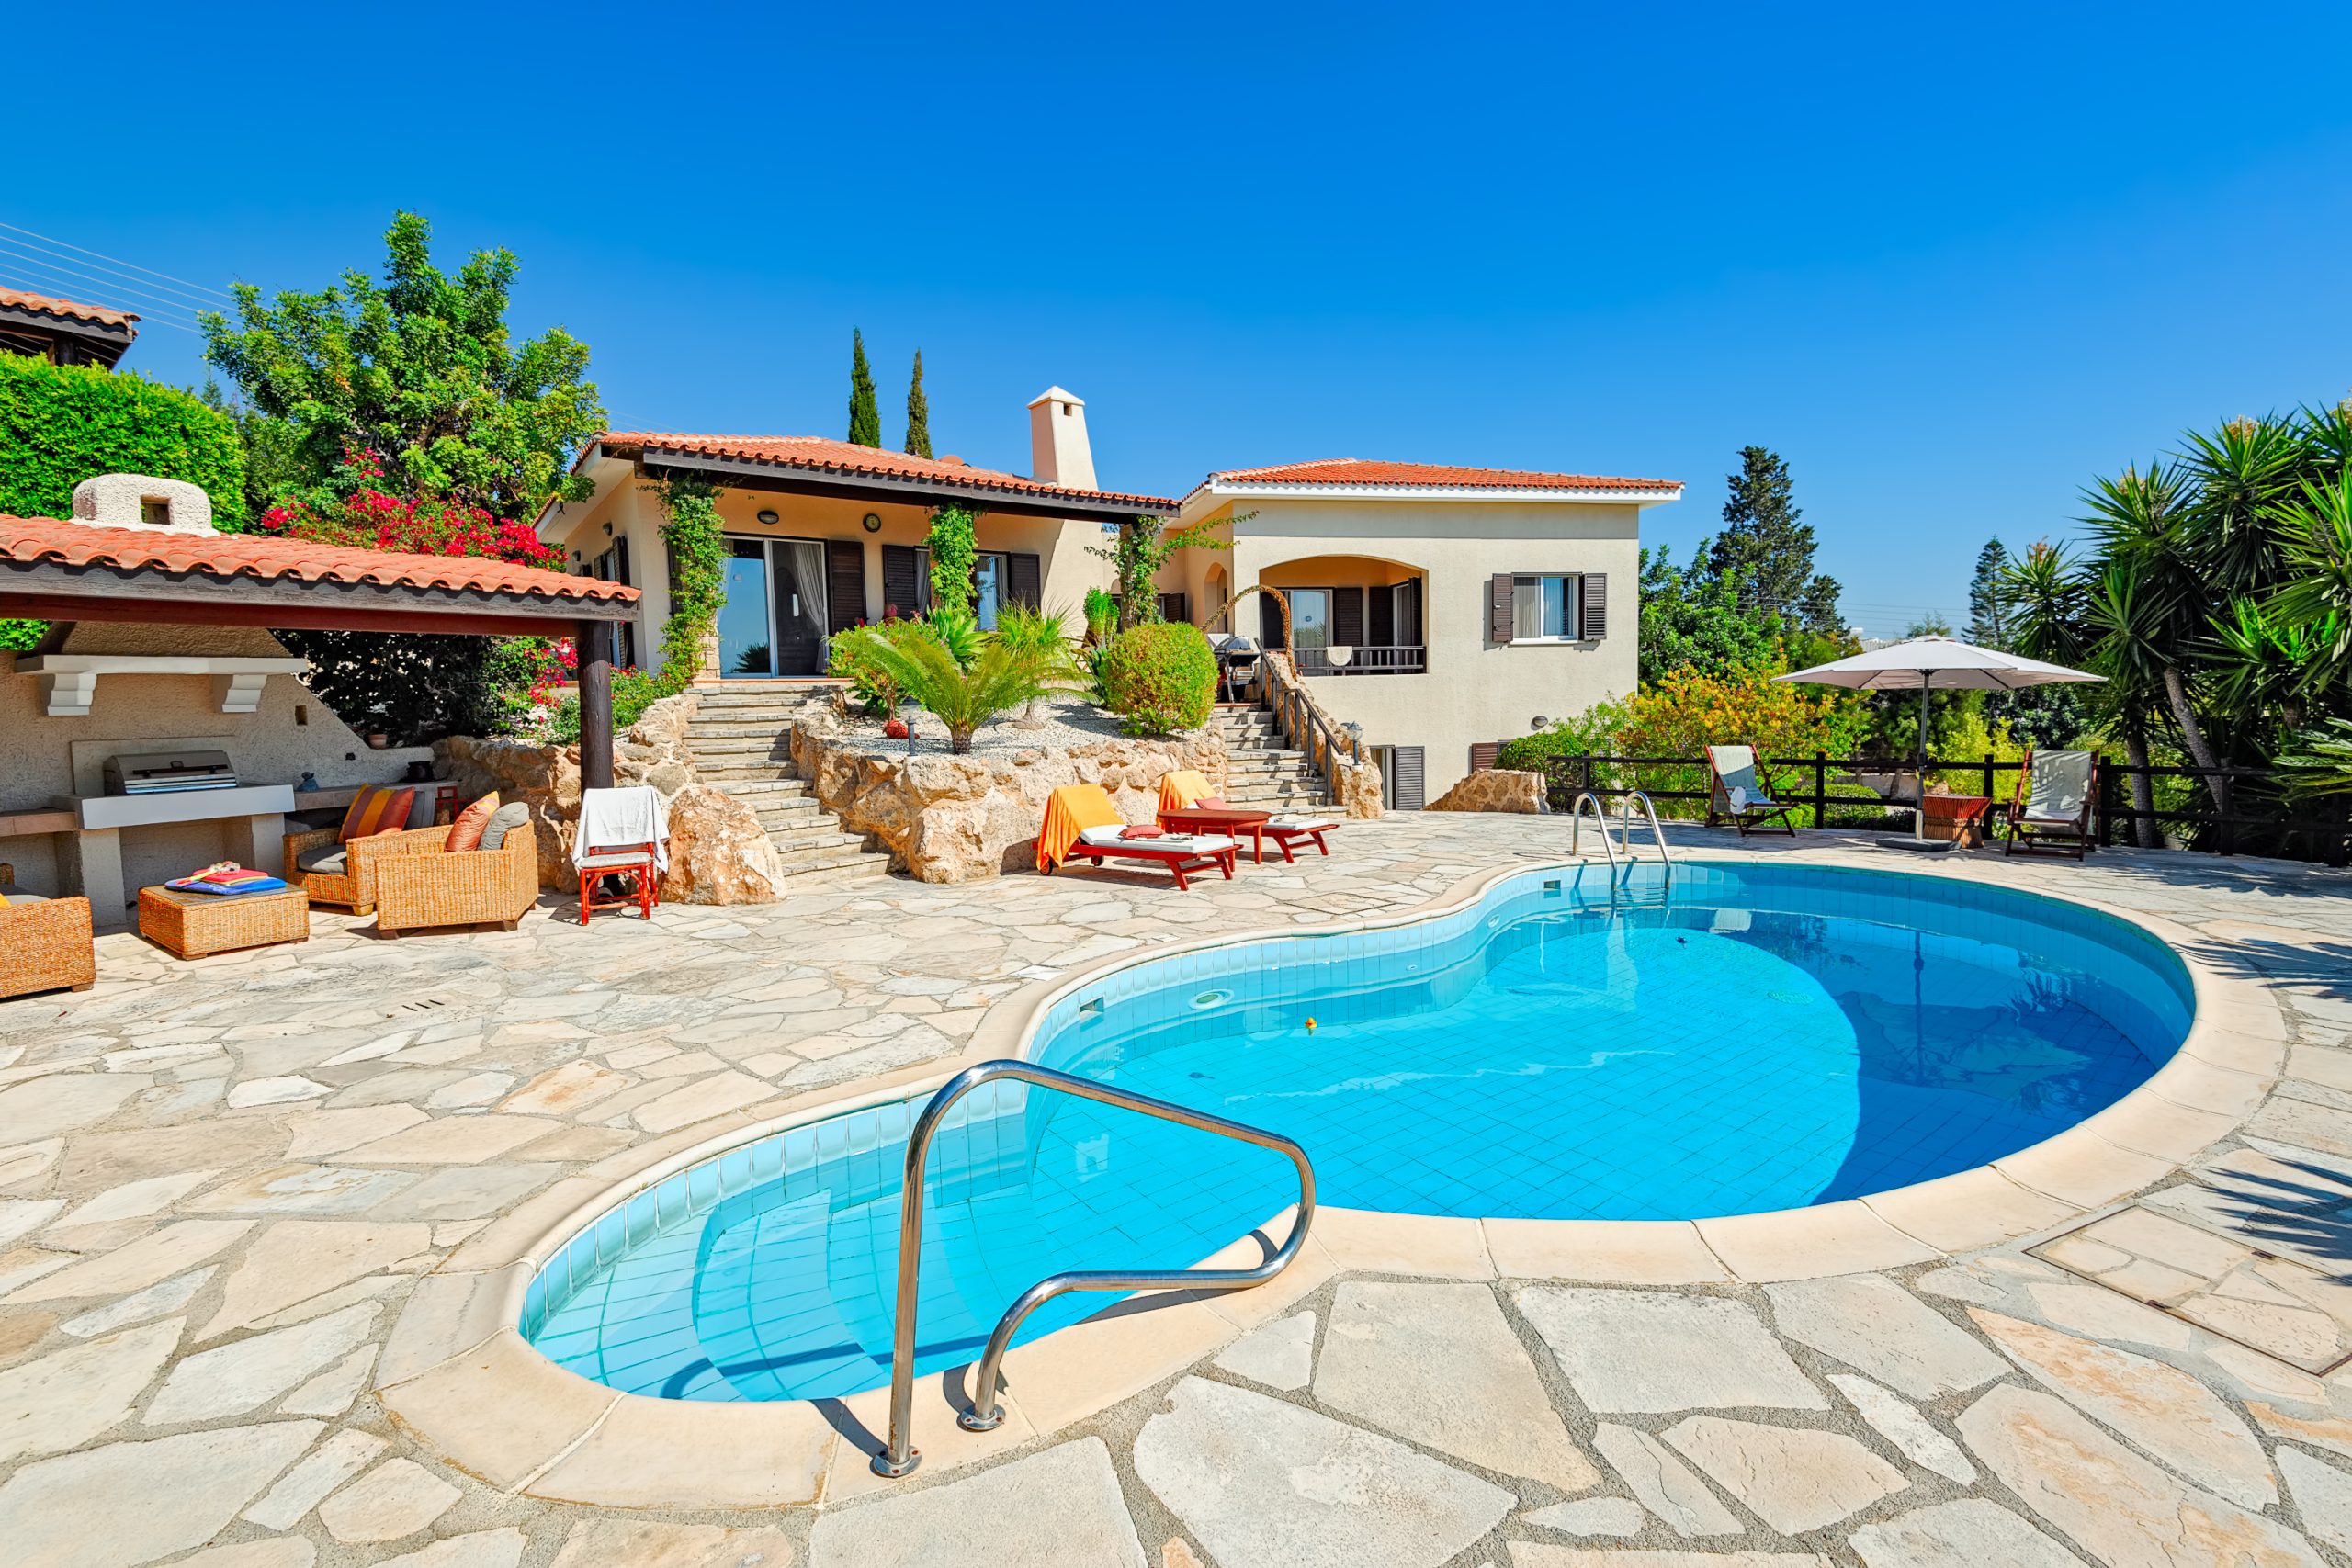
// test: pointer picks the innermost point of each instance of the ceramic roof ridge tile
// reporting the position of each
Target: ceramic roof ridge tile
(267, 557)
(72, 310)
(821, 452)
(1447, 476)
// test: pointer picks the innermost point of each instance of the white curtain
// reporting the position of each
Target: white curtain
(807, 562)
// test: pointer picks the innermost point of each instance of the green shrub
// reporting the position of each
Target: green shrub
(875, 689)
(63, 424)
(1159, 677)
(1592, 733)
(633, 691)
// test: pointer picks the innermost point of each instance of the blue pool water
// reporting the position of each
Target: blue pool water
(1732, 1038)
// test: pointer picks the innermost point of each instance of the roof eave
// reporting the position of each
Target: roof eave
(819, 478)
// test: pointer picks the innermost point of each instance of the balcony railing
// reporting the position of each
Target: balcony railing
(1362, 660)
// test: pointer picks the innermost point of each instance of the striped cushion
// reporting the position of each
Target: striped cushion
(376, 811)
(466, 832)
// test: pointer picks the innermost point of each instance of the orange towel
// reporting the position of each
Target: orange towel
(1182, 788)
(1070, 811)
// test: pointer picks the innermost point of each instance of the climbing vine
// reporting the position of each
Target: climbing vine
(697, 578)
(954, 552)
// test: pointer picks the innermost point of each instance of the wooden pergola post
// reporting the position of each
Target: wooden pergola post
(594, 641)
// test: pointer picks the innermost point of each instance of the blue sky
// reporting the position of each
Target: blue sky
(1950, 264)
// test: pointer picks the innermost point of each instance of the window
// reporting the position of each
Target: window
(1544, 609)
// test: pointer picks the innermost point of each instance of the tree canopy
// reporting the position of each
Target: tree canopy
(864, 417)
(1766, 549)
(918, 413)
(418, 369)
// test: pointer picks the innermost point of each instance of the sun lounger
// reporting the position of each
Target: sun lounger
(1288, 831)
(2052, 804)
(1082, 824)
(1738, 793)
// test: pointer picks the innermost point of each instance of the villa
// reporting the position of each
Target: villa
(1483, 598)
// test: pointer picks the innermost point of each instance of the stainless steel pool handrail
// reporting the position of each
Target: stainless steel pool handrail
(900, 1458)
(1625, 824)
(1600, 822)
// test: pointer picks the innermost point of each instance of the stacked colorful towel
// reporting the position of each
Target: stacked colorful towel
(227, 879)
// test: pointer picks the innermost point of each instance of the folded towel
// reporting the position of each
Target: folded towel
(1070, 810)
(227, 884)
(1181, 787)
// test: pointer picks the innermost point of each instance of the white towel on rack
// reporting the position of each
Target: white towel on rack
(615, 818)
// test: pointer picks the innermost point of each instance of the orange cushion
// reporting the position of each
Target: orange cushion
(465, 833)
(374, 811)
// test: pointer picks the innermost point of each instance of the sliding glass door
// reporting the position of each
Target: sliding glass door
(772, 622)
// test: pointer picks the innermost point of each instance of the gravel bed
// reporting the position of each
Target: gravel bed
(1065, 722)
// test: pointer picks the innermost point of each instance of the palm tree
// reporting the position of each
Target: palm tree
(923, 669)
(2059, 610)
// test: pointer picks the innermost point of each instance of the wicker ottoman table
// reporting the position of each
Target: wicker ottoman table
(190, 925)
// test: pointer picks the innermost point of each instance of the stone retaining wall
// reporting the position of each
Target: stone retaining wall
(1496, 789)
(948, 819)
(719, 851)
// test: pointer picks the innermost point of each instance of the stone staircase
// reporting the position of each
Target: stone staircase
(741, 742)
(1260, 771)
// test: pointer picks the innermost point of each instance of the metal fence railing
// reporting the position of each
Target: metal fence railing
(2228, 810)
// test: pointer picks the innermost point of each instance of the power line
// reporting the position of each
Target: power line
(101, 255)
(169, 311)
(33, 284)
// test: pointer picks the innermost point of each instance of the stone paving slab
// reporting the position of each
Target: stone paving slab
(211, 1174)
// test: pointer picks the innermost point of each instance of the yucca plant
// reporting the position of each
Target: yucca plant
(926, 671)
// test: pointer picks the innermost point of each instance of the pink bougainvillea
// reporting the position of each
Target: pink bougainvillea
(374, 520)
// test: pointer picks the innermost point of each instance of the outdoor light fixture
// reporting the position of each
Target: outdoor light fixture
(768, 517)
(873, 522)
(608, 530)
(1539, 722)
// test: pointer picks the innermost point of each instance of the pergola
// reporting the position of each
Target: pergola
(56, 570)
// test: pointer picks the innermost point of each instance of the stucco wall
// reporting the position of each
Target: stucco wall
(267, 746)
(1474, 690)
(634, 511)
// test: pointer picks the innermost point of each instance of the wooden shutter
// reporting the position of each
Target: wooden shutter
(1347, 617)
(845, 585)
(1595, 616)
(1175, 608)
(1482, 754)
(1499, 589)
(1405, 765)
(1024, 580)
(1380, 622)
(1270, 622)
(1408, 614)
(902, 585)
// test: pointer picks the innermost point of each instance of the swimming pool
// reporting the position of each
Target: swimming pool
(1730, 1038)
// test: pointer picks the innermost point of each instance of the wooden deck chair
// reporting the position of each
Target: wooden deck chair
(2052, 804)
(1737, 793)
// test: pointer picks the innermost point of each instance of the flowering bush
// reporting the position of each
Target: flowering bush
(371, 519)
(1684, 712)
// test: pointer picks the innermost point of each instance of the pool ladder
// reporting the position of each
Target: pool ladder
(1624, 830)
(987, 1412)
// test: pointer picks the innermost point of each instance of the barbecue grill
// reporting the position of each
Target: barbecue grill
(168, 772)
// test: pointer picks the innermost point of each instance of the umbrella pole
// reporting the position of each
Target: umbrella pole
(1920, 816)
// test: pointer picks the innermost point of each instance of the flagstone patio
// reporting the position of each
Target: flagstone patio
(222, 1185)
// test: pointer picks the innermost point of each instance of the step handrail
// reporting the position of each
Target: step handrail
(1600, 824)
(1625, 825)
(899, 1458)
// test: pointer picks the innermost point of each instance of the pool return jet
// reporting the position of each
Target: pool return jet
(1929, 664)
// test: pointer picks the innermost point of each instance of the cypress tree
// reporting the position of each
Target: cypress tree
(918, 413)
(865, 418)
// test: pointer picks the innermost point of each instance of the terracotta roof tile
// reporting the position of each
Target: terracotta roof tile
(818, 453)
(1443, 476)
(264, 558)
(98, 315)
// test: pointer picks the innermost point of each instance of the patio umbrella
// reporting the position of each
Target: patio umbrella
(1927, 664)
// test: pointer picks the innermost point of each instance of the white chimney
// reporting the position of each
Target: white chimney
(142, 501)
(1059, 452)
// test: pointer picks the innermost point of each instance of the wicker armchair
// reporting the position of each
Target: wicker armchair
(45, 946)
(355, 886)
(424, 886)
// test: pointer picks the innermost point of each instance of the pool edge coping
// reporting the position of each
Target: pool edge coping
(456, 1373)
